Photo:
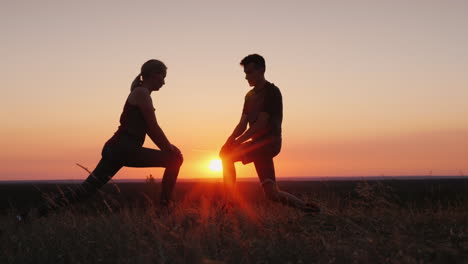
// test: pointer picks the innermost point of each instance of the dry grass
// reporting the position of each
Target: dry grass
(373, 227)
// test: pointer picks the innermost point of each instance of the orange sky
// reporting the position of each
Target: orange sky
(369, 87)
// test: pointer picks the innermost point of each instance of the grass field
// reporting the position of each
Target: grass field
(423, 221)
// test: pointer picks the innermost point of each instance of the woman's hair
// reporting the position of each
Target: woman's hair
(147, 69)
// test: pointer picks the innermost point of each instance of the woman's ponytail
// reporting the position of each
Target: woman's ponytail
(136, 82)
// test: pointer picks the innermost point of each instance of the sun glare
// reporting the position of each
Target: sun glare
(215, 165)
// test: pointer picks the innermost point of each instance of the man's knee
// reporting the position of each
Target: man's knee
(226, 157)
(230, 156)
(224, 154)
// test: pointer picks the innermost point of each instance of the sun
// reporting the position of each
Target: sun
(215, 165)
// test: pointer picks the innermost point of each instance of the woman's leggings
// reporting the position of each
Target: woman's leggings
(114, 157)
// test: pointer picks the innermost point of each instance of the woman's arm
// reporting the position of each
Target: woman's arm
(144, 102)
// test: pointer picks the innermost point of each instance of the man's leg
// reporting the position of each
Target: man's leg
(229, 172)
(232, 154)
(266, 172)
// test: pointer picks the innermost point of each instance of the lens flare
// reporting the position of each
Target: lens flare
(215, 165)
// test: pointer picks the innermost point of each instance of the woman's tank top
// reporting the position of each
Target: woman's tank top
(132, 127)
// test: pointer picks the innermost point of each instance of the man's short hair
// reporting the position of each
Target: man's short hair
(256, 59)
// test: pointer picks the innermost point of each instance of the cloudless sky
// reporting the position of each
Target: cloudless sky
(369, 87)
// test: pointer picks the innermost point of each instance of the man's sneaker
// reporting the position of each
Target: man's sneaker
(22, 218)
(311, 208)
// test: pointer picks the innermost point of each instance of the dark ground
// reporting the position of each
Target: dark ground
(407, 192)
(391, 221)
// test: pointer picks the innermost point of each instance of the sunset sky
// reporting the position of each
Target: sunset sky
(369, 88)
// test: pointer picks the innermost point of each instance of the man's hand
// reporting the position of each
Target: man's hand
(230, 140)
(230, 144)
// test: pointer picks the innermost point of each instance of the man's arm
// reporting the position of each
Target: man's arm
(273, 107)
(259, 126)
(240, 128)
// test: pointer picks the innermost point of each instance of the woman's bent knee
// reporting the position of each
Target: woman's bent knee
(176, 160)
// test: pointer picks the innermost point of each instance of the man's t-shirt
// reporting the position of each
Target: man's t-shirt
(268, 100)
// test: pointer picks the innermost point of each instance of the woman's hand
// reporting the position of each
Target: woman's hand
(176, 150)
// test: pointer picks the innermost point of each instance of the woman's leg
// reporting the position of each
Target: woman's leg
(103, 172)
(146, 157)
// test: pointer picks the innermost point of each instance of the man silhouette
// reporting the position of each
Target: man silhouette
(263, 113)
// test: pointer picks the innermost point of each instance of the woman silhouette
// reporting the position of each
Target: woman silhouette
(124, 148)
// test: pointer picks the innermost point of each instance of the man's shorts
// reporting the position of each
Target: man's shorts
(257, 150)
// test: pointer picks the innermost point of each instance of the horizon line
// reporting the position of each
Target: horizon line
(248, 179)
